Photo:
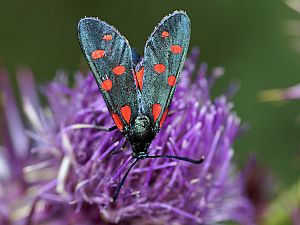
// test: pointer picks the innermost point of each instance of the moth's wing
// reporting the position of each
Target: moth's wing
(109, 56)
(165, 53)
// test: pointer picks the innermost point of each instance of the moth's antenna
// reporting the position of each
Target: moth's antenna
(117, 191)
(176, 157)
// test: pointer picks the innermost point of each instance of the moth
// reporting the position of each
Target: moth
(137, 91)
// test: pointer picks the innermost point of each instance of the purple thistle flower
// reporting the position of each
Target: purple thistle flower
(69, 169)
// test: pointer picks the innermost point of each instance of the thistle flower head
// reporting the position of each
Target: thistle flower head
(68, 169)
(281, 94)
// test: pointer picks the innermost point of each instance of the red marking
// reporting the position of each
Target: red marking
(135, 80)
(163, 118)
(107, 85)
(165, 34)
(156, 109)
(176, 49)
(172, 80)
(139, 78)
(159, 68)
(119, 70)
(97, 54)
(126, 113)
(117, 121)
(107, 37)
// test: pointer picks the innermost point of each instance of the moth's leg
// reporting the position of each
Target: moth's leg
(112, 128)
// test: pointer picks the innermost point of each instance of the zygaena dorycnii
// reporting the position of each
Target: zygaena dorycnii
(137, 91)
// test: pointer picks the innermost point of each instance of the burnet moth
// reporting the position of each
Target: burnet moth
(137, 91)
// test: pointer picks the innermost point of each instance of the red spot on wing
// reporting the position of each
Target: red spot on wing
(107, 85)
(163, 118)
(156, 109)
(159, 68)
(165, 34)
(117, 121)
(107, 37)
(119, 70)
(171, 80)
(176, 49)
(126, 113)
(139, 78)
(97, 54)
(135, 80)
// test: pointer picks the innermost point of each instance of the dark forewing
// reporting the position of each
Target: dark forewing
(109, 57)
(165, 53)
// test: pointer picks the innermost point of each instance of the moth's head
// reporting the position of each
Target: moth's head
(140, 150)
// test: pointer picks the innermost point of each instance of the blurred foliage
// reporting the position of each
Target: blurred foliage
(280, 211)
(248, 38)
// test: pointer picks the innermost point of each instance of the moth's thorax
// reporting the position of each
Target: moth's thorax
(141, 135)
(141, 130)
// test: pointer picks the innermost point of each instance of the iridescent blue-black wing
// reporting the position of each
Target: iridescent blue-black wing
(165, 53)
(110, 58)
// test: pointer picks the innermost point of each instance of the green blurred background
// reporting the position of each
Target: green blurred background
(248, 38)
